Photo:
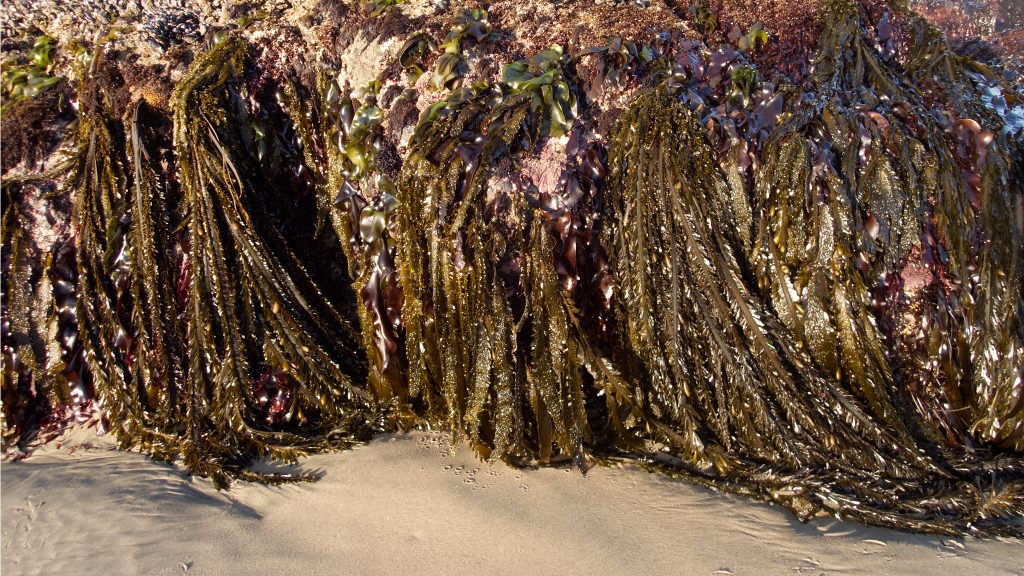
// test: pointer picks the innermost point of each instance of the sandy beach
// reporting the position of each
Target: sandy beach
(410, 504)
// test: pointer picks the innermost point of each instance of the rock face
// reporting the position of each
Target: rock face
(776, 251)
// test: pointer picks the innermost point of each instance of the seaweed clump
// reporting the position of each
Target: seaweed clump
(734, 395)
(214, 343)
(489, 335)
(761, 341)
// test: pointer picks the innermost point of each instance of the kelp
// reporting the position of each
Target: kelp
(252, 305)
(98, 185)
(486, 323)
(368, 196)
(982, 212)
(32, 379)
(470, 23)
(733, 392)
(186, 372)
(805, 293)
(28, 80)
(358, 201)
(848, 194)
(159, 359)
(934, 194)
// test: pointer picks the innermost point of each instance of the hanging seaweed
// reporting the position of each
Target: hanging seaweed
(735, 393)
(32, 381)
(802, 282)
(99, 186)
(352, 122)
(158, 360)
(251, 305)
(931, 203)
(486, 319)
(831, 220)
(976, 249)
(263, 363)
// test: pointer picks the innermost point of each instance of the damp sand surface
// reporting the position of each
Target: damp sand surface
(410, 504)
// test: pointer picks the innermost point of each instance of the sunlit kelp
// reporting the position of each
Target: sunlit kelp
(839, 209)
(251, 306)
(486, 322)
(729, 388)
(805, 289)
(494, 344)
(158, 362)
(99, 187)
(929, 193)
(32, 380)
(184, 372)
(360, 200)
(986, 308)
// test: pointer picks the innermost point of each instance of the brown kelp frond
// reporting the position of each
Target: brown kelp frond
(33, 384)
(470, 23)
(204, 333)
(555, 347)
(99, 187)
(246, 311)
(934, 201)
(804, 258)
(739, 396)
(798, 280)
(486, 321)
(103, 220)
(360, 203)
(159, 343)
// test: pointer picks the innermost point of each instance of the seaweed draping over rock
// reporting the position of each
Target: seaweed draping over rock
(34, 364)
(805, 289)
(486, 324)
(930, 191)
(732, 392)
(252, 305)
(187, 371)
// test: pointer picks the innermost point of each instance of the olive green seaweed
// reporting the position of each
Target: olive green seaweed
(249, 305)
(509, 379)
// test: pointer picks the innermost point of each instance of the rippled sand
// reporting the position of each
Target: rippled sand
(408, 504)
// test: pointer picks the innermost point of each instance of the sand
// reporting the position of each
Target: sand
(408, 504)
